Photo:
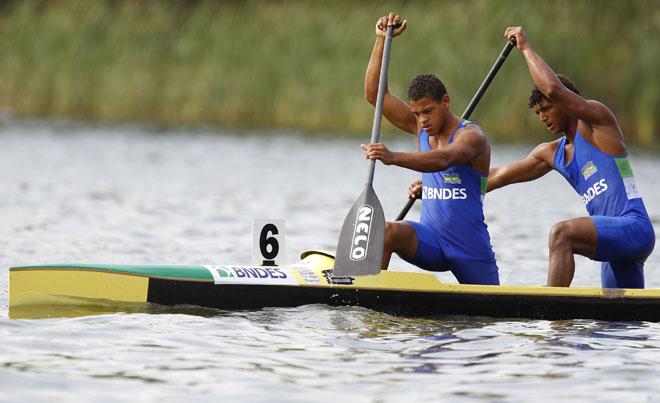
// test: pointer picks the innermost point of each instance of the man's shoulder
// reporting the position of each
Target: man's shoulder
(549, 145)
(471, 131)
(605, 115)
(597, 104)
(546, 151)
(469, 125)
(606, 135)
(471, 136)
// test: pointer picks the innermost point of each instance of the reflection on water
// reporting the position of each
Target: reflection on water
(119, 195)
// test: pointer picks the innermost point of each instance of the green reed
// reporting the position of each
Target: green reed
(301, 64)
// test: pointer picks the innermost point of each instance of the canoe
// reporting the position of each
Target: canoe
(80, 289)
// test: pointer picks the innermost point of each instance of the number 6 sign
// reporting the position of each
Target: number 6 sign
(268, 248)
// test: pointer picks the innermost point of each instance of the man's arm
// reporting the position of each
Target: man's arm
(547, 82)
(394, 108)
(537, 164)
(469, 145)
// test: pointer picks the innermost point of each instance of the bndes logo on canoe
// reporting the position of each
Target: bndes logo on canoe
(251, 275)
(361, 232)
(250, 272)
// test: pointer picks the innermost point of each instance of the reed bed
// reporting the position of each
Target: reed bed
(300, 64)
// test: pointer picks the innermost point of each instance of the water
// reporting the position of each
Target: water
(71, 193)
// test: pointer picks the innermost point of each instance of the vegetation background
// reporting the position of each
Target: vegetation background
(299, 65)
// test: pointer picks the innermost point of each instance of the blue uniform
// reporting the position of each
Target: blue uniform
(452, 234)
(607, 187)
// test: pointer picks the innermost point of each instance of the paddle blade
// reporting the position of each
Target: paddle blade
(362, 237)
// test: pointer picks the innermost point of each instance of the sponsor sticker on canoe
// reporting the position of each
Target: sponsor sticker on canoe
(252, 275)
(307, 274)
(332, 279)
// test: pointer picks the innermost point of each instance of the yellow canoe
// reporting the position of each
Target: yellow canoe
(82, 289)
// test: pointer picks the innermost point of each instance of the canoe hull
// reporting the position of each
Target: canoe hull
(409, 303)
(40, 291)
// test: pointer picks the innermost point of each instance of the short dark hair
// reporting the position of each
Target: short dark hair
(537, 96)
(426, 86)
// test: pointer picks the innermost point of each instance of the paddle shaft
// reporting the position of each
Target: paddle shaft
(472, 105)
(362, 236)
(378, 115)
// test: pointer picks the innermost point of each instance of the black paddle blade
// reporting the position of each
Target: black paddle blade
(362, 237)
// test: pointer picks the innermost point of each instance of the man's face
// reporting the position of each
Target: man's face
(431, 115)
(552, 117)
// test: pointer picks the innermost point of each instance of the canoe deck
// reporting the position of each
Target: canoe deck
(74, 289)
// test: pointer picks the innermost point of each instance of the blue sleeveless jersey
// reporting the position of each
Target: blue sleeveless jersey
(605, 183)
(452, 205)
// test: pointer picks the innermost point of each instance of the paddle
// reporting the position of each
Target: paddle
(362, 236)
(472, 105)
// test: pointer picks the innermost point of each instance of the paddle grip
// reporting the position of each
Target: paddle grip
(473, 104)
(397, 25)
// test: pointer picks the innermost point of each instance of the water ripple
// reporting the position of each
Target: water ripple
(118, 195)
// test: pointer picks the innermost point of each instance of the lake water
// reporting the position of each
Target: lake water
(126, 194)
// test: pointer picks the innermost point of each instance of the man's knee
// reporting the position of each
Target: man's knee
(389, 233)
(578, 235)
(398, 234)
(393, 232)
(560, 235)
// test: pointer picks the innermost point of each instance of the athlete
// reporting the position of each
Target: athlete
(454, 158)
(592, 157)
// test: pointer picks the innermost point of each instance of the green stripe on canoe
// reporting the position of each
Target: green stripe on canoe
(164, 271)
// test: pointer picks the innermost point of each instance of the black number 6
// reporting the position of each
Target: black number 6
(265, 240)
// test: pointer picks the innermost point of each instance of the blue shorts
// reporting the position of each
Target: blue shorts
(431, 255)
(623, 245)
